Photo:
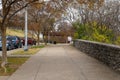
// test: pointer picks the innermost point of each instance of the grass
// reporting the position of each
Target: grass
(17, 32)
(14, 32)
(16, 62)
(12, 66)
(41, 46)
(31, 51)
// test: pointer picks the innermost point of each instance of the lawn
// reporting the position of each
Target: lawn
(16, 32)
(15, 62)
(31, 51)
(12, 66)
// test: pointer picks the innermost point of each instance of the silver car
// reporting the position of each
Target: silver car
(9, 44)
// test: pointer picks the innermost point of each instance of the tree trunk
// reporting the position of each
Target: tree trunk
(38, 39)
(45, 40)
(4, 49)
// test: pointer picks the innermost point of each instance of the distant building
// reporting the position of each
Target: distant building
(58, 37)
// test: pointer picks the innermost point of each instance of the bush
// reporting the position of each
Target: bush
(117, 42)
(91, 31)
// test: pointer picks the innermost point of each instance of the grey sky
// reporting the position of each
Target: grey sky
(49, 0)
(0, 4)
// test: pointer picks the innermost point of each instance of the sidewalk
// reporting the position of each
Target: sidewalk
(4, 77)
(63, 62)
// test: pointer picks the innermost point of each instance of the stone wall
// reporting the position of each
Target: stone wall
(109, 54)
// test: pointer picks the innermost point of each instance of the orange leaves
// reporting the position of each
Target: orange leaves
(82, 1)
(33, 26)
(37, 5)
(91, 3)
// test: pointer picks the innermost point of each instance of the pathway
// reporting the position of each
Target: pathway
(63, 62)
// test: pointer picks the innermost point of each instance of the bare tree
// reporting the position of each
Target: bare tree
(46, 16)
(9, 9)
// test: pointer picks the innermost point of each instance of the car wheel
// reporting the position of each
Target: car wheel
(9, 48)
(21, 46)
(17, 46)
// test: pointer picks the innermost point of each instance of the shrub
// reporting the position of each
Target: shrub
(92, 31)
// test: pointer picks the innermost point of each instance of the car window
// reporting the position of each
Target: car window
(18, 38)
(13, 38)
(8, 38)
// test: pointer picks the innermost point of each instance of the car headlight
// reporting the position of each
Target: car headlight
(0, 45)
(7, 44)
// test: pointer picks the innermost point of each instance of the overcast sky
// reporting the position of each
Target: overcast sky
(0, 4)
(111, 0)
(49, 0)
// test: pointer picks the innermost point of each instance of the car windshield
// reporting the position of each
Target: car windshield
(13, 38)
(0, 38)
(7, 38)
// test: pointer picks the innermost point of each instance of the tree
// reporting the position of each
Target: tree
(44, 16)
(9, 9)
(40, 20)
(105, 16)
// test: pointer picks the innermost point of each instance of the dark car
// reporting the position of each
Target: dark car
(16, 41)
(34, 41)
(9, 43)
(30, 41)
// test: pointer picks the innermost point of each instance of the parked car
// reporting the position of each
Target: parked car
(9, 43)
(16, 41)
(30, 41)
(34, 41)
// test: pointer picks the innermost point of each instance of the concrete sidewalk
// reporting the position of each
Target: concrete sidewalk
(4, 77)
(63, 62)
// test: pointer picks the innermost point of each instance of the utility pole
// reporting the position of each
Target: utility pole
(26, 27)
(26, 30)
